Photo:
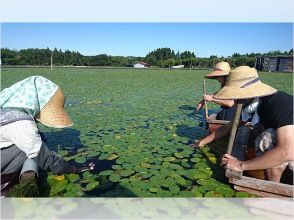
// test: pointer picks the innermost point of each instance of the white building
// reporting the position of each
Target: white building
(141, 65)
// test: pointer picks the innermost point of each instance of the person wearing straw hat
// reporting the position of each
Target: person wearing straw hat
(265, 106)
(34, 99)
(220, 73)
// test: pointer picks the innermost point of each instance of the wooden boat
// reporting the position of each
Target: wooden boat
(212, 124)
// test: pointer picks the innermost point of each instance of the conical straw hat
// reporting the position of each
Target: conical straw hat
(53, 114)
(220, 69)
(243, 83)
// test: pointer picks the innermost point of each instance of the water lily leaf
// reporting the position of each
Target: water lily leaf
(174, 189)
(87, 174)
(114, 178)
(179, 155)
(226, 192)
(91, 186)
(60, 186)
(117, 167)
(213, 194)
(242, 194)
(81, 159)
(112, 157)
(103, 156)
(73, 177)
(127, 166)
(145, 165)
(63, 153)
(180, 180)
(169, 159)
(59, 178)
(153, 190)
(93, 154)
(195, 159)
(69, 194)
(106, 172)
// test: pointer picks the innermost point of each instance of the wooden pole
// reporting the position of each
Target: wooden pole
(234, 128)
(205, 102)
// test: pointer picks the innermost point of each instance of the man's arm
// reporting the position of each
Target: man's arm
(220, 133)
(281, 153)
(222, 102)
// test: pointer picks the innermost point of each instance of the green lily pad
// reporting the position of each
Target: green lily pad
(63, 153)
(226, 192)
(145, 165)
(127, 166)
(87, 174)
(179, 155)
(93, 154)
(117, 167)
(213, 194)
(81, 159)
(103, 156)
(195, 159)
(114, 178)
(180, 180)
(153, 190)
(242, 195)
(73, 177)
(91, 186)
(69, 194)
(60, 186)
(174, 189)
(106, 173)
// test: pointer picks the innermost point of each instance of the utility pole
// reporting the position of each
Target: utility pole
(52, 61)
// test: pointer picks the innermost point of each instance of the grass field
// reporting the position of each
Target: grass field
(136, 126)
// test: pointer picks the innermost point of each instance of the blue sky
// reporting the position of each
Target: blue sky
(137, 39)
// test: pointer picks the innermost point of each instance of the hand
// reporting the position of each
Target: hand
(232, 162)
(200, 105)
(196, 145)
(90, 167)
(208, 98)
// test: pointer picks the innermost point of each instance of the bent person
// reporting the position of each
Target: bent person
(34, 99)
(220, 73)
(272, 110)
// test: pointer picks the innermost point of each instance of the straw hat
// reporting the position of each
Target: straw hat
(220, 69)
(243, 83)
(53, 114)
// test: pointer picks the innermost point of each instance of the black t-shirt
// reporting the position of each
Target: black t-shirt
(276, 110)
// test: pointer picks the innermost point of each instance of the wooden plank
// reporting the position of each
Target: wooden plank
(263, 185)
(234, 174)
(258, 192)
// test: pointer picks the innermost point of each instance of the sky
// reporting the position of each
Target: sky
(138, 39)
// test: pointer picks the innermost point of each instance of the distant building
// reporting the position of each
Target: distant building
(178, 66)
(141, 65)
(274, 63)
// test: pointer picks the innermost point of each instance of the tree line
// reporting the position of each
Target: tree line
(161, 57)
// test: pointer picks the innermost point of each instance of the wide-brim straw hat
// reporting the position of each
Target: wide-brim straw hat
(220, 69)
(53, 113)
(243, 83)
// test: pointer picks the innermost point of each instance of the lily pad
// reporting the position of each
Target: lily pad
(91, 186)
(106, 173)
(114, 178)
(213, 194)
(81, 159)
(73, 177)
(93, 154)
(63, 153)
(242, 195)
(226, 192)
(180, 180)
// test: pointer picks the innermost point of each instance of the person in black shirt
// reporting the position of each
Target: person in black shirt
(267, 107)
